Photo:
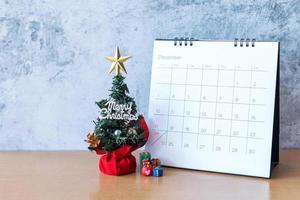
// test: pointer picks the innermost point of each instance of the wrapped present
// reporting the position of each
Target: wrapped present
(158, 171)
(147, 168)
(144, 156)
(155, 162)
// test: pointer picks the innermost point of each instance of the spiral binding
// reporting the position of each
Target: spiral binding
(237, 42)
(183, 41)
(247, 42)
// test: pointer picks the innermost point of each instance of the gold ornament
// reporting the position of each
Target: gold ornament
(92, 140)
(131, 131)
(117, 62)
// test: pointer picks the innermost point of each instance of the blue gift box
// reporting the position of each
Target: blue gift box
(158, 171)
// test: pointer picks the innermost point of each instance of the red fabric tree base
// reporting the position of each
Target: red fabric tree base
(120, 161)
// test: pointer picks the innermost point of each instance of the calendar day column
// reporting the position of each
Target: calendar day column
(176, 106)
(257, 113)
(192, 107)
(224, 106)
(240, 110)
(160, 95)
(207, 109)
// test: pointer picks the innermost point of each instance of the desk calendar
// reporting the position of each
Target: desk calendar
(213, 105)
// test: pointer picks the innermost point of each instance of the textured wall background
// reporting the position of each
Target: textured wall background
(52, 67)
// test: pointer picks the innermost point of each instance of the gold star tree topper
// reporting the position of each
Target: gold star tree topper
(117, 62)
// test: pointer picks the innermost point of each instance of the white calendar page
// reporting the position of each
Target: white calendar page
(211, 106)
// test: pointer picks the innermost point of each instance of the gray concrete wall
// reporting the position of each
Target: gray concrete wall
(52, 67)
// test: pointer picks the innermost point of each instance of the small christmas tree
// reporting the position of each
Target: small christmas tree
(117, 125)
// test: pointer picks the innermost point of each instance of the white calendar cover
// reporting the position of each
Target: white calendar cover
(211, 105)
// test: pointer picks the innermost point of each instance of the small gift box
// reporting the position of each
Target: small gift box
(155, 162)
(147, 168)
(144, 156)
(158, 171)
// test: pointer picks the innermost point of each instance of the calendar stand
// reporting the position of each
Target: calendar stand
(276, 127)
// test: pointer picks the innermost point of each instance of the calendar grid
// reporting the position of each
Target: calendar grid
(200, 84)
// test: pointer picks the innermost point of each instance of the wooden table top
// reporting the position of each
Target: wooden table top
(74, 175)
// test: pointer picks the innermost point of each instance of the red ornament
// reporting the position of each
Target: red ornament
(121, 161)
